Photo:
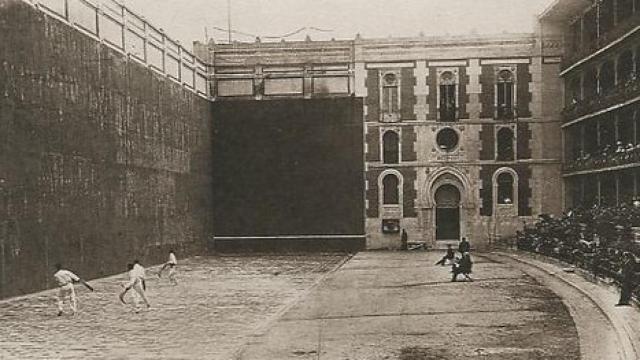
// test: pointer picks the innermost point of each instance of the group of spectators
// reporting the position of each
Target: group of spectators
(595, 239)
(609, 155)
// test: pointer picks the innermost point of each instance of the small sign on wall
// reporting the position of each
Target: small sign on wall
(390, 226)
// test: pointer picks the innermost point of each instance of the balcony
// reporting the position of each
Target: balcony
(602, 41)
(607, 157)
(618, 95)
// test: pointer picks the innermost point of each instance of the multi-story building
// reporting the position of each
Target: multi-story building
(601, 95)
(462, 134)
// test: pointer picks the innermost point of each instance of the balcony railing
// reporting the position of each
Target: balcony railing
(114, 25)
(618, 95)
(607, 157)
(602, 41)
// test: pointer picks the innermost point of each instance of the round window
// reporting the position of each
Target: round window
(447, 139)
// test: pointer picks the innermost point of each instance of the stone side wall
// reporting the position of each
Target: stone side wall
(102, 160)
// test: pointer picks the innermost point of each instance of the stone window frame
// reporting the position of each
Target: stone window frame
(494, 181)
(393, 116)
(459, 129)
(398, 131)
(514, 131)
(453, 150)
(514, 92)
(456, 82)
(398, 207)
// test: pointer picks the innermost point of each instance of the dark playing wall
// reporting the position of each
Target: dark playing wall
(288, 167)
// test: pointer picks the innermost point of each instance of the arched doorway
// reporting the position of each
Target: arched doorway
(447, 199)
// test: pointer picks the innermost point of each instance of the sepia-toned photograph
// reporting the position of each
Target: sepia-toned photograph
(319, 179)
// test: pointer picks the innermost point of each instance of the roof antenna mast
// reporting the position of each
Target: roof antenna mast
(229, 19)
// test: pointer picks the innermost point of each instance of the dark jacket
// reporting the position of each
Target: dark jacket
(450, 254)
(464, 247)
(465, 265)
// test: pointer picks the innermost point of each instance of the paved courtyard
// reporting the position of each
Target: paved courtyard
(400, 306)
(377, 305)
(217, 304)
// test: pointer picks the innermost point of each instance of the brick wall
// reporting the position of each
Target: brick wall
(487, 97)
(432, 99)
(101, 160)
(462, 92)
(407, 98)
(524, 141)
(409, 193)
(372, 137)
(409, 138)
(487, 142)
(373, 201)
(524, 95)
(373, 96)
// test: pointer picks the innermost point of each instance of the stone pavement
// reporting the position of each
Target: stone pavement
(378, 305)
(605, 331)
(217, 304)
(398, 305)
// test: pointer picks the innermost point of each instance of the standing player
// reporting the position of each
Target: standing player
(135, 283)
(171, 264)
(65, 280)
(141, 273)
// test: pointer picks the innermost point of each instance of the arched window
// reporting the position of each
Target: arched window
(447, 96)
(606, 79)
(573, 92)
(505, 189)
(505, 145)
(625, 67)
(391, 148)
(390, 94)
(390, 191)
(590, 82)
(590, 31)
(505, 95)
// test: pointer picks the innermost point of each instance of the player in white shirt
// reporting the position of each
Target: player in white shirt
(171, 264)
(135, 283)
(141, 273)
(65, 280)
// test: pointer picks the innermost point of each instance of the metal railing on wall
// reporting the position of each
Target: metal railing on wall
(113, 24)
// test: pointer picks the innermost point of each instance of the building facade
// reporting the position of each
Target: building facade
(462, 134)
(601, 115)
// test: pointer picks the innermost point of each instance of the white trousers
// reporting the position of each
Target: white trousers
(172, 274)
(67, 291)
(138, 293)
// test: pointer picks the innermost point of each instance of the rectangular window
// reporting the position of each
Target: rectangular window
(505, 100)
(448, 102)
(590, 31)
(576, 29)
(390, 99)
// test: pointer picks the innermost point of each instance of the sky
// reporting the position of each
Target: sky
(186, 20)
